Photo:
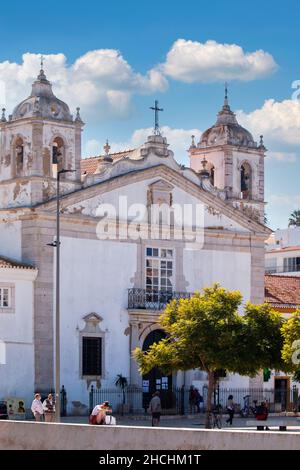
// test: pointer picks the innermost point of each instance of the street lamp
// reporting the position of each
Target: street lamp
(56, 244)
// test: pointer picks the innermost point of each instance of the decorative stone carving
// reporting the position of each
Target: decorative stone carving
(92, 321)
(160, 192)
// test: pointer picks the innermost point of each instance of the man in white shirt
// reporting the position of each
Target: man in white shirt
(37, 407)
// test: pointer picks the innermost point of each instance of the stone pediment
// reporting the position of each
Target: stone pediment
(86, 201)
(161, 185)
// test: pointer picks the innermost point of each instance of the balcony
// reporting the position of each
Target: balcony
(282, 270)
(141, 299)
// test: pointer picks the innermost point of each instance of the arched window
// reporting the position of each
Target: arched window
(211, 170)
(246, 181)
(19, 156)
(58, 153)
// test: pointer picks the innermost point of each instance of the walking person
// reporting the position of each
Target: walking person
(230, 410)
(155, 408)
(192, 399)
(37, 408)
(49, 409)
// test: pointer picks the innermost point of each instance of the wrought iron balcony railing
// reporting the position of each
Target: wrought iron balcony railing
(143, 299)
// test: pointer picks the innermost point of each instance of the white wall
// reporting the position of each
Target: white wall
(10, 240)
(95, 276)
(16, 331)
(231, 269)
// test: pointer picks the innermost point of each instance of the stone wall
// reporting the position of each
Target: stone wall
(47, 436)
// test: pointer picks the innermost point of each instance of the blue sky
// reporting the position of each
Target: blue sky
(144, 32)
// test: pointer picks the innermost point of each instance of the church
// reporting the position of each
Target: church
(136, 230)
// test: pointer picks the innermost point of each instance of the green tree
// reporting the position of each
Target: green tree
(207, 332)
(291, 345)
(294, 219)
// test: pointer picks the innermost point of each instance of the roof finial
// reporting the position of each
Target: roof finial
(226, 95)
(106, 148)
(156, 110)
(261, 142)
(3, 118)
(193, 145)
(78, 117)
(41, 76)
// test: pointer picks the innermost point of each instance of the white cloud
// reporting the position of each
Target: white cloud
(277, 121)
(285, 157)
(100, 81)
(291, 202)
(179, 141)
(192, 61)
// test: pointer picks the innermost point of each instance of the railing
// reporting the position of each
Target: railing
(177, 400)
(281, 270)
(143, 299)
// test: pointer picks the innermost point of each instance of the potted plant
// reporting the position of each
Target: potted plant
(122, 383)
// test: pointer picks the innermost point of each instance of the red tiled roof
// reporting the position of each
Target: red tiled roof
(89, 165)
(282, 290)
(288, 248)
(11, 264)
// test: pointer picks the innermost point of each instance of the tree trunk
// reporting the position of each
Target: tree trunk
(210, 391)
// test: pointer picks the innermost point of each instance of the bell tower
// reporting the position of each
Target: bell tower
(37, 139)
(235, 162)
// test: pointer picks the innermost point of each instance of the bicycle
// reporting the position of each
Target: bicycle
(247, 409)
(215, 418)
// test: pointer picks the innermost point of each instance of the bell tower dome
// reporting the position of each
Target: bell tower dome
(234, 160)
(38, 138)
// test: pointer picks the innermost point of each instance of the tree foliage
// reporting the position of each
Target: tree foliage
(208, 332)
(291, 344)
(294, 219)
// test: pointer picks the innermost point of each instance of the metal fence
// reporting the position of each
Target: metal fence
(177, 400)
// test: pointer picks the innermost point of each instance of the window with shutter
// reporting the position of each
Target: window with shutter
(91, 356)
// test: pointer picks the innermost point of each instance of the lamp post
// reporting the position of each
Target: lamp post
(56, 244)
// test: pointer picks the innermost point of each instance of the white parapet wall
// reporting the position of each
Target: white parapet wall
(17, 435)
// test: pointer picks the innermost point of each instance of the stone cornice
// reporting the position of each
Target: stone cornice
(18, 274)
(159, 171)
(172, 177)
(226, 147)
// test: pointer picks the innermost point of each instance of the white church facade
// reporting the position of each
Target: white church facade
(120, 264)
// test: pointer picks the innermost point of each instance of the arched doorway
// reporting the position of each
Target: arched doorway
(156, 379)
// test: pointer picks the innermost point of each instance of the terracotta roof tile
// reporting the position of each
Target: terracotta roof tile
(89, 165)
(12, 264)
(282, 290)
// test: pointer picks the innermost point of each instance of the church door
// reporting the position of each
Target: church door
(155, 379)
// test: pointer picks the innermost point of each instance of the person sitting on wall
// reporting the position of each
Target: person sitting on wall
(262, 413)
(98, 414)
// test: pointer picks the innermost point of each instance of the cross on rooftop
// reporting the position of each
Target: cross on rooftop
(156, 110)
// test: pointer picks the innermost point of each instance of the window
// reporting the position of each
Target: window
(4, 297)
(291, 264)
(58, 153)
(91, 356)
(159, 273)
(19, 155)
(246, 181)
(271, 265)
